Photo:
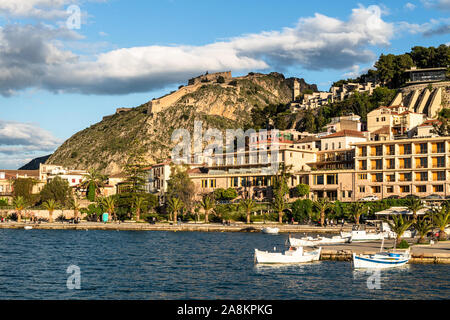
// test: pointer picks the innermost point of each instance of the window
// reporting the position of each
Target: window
(363, 164)
(390, 189)
(318, 179)
(405, 163)
(376, 189)
(332, 179)
(390, 178)
(378, 177)
(422, 162)
(421, 189)
(362, 176)
(404, 189)
(379, 150)
(438, 162)
(439, 176)
(390, 164)
(438, 188)
(204, 183)
(362, 189)
(212, 183)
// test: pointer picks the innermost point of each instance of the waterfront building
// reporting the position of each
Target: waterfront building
(7, 178)
(401, 167)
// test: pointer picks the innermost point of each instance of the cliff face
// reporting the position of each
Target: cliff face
(107, 145)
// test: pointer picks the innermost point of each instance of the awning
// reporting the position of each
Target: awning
(400, 210)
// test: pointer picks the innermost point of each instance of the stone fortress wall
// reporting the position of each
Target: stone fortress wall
(157, 105)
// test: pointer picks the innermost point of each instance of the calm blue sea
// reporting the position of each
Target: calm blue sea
(188, 265)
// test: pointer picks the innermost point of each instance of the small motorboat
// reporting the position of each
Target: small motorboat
(28, 227)
(381, 260)
(386, 259)
(293, 255)
(269, 230)
(360, 234)
(309, 241)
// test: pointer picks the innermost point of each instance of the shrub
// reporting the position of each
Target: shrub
(403, 244)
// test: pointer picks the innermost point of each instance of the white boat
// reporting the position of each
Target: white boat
(270, 230)
(309, 241)
(360, 234)
(293, 255)
(381, 260)
(28, 227)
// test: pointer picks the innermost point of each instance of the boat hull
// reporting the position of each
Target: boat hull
(269, 230)
(265, 257)
(372, 262)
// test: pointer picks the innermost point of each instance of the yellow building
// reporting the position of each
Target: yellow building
(400, 167)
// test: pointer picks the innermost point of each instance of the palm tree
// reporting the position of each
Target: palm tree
(441, 218)
(174, 206)
(207, 204)
(19, 204)
(322, 205)
(109, 203)
(247, 205)
(399, 226)
(357, 209)
(139, 204)
(279, 204)
(93, 179)
(75, 206)
(423, 226)
(414, 204)
(50, 205)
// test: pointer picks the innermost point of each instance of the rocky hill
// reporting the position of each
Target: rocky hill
(221, 104)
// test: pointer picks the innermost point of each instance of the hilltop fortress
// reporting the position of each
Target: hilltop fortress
(159, 104)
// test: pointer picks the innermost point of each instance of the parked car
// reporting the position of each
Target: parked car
(411, 196)
(393, 197)
(369, 198)
(433, 197)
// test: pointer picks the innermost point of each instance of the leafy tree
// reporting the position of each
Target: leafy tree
(75, 206)
(415, 204)
(358, 209)
(207, 204)
(441, 218)
(174, 205)
(322, 205)
(51, 205)
(19, 204)
(399, 226)
(23, 187)
(302, 210)
(247, 205)
(423, 226)
(57, 189)
(93, 181)
(109, 204)
(279, 205)
(139, 204)
(181, 186)
(302, 189)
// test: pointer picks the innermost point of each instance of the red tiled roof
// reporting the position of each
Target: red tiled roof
(11, 174)
(382, 130)
(343, 133)
(430, 123)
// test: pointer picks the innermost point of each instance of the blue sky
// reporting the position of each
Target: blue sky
(55, 80)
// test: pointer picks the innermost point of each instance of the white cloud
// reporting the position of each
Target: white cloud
(409, 6)
(314, 43)
(20, 142)
(433, 27)
(437, 4)
(41, 9)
